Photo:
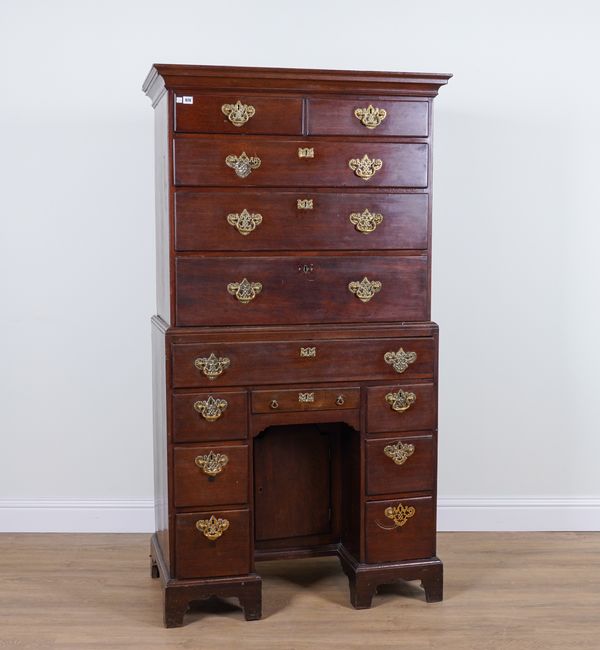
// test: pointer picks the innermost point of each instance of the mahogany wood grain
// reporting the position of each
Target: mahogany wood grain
(291, 295)
(273, 115)
(414, 540)
(199, 557)
(190, 426)
(321, 399)
(422, 414)
(200, 160)
(336, 117)
(193, 487)
(280, 361)
(201, 220)
(384, 476)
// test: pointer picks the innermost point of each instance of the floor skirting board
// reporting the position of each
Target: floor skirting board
(454, 514)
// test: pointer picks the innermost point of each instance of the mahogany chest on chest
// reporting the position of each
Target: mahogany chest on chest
(294, 361)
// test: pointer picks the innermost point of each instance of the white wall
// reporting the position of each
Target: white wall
(516, 231)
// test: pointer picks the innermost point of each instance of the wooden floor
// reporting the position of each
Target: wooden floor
(511, 591)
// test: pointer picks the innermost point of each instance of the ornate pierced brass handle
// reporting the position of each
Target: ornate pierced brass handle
(244, 222)
(244, 291)
(365, 221)
(365, 289)
(212, 528)
(399, 452)
(211, 409)
(238, 114)
(371, 116)
(399, 514)
(212, 366)
(211, 463)
(243, 165)
(400, 401)
(365, 167)
(400, 360)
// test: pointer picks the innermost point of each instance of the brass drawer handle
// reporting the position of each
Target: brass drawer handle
(210, 409)
(242, 165)
(244, 222)
(306, 152)
(212, 366)
(400, 360)
(399, 452)
(212, 528)
(365, 289)
(212, 463)
(340, 400)
(306, 398)
(365, 167)
(365, 221)
(399, 514)
(400, 401)
(238, 113)
(371, 116)
(244, 291)
(304, 204)
(308, 352)
(274, 404)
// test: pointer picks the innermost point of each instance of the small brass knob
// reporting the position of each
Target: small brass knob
(340, 400)
(274, 404)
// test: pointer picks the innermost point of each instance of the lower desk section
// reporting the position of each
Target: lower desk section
(261, 471)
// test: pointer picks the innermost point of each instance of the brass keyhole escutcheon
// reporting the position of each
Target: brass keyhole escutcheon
(306, 268)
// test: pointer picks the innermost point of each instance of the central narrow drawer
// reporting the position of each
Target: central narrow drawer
(300, 290)
(301, 399)
(276, 162)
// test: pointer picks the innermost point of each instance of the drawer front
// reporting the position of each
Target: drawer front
(301, 361)
(401, 464)
(401, 407)
(300, 290)
(371, 117)
(305, 399)
(197, 556)
(253, 114)
(210, 476)
(210, 416)
(249, 220)
(402, 529)
(276, 162)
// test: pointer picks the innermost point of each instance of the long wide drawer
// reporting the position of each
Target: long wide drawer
(253, 363)
(306, 219)
(279, 162)
(300, 290)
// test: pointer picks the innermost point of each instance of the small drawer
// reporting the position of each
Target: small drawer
(213, 543)
(305, 399)
(236, 114)
(402, 464)
(283, 362)
(370, 117)
(210, 476)
(401, 407)
(221, 415)
(401, 529)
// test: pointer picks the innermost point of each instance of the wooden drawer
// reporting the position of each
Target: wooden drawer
(275, 362)
(387, 542)
(336, 221)
(420, 415)
(401, 464)
(199, 557)
(210, 476)
(300, 290)
(337, 117)
(271, 115)
(305, 399)
(190, 425)
(201, 161)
